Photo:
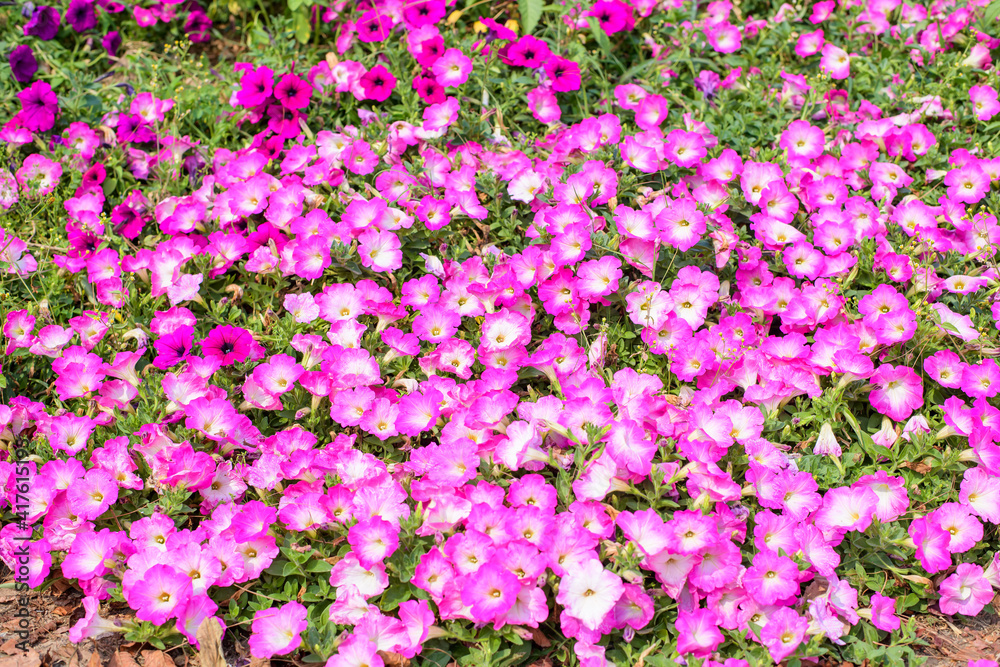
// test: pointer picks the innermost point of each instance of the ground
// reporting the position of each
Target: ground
(949, 641)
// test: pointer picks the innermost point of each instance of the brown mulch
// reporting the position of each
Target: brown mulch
(952, 641)
(54, 611)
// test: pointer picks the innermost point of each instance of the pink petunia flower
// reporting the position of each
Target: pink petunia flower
(966, 591)
(984, 102)
(161, 594)
(452, 69)
(698, 632)
(835, 61)
(783, 633)
(277, 631)
(883, 610)
(590, 592)
(898, 391)
(490, 592)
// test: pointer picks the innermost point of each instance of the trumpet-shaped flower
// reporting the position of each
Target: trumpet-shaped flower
(277, 631)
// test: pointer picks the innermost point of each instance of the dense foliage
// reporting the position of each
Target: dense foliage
(486, 332)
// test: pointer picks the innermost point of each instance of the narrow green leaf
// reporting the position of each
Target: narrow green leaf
(600, 35)
(991, 14)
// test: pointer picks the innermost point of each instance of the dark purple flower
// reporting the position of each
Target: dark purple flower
(81, 15)
(23, 63)
(193, 164)
(112, 42)
(197, 26)
(39, 106)
(44, 23)
(707, 82)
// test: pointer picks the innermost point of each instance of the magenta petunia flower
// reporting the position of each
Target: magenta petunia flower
(292, 92)
(698, 632)
(92, 626)
(835, 61)
(969, 183)
(724, 37)
(543, 105)
(374, 25)
(379, 250)
(613, 15)
(418, 13)
(255, 87)
(378, 84)
(452, 69)
(771, 578)
(429, 90)
(984, 102)
(228, 344)
(564, 74)
(931, 542)
(528, 52)
(373, 541)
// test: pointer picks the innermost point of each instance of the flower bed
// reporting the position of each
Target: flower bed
(649, 333)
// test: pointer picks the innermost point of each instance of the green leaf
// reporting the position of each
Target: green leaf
(318, 566)
(991, 14)
(949, 327)
(600, 35)
(531, 11)
(394, 596)
(277, 567)
(637, 69)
